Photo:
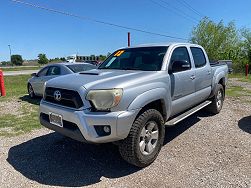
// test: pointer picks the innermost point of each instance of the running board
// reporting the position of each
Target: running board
(186, 114)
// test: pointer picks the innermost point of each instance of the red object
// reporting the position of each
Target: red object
(129, 39)
(247, 70)
(2, 88)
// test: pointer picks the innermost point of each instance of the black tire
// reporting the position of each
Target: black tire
(31, 91)
(217, 100)
(130, 149)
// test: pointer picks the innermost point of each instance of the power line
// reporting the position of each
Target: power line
(95, 20)
(175, 10)
(190, 7)
(180, 11)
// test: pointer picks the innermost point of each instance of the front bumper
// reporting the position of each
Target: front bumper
(79, 124)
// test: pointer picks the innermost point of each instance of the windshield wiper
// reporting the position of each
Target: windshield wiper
(128, 68)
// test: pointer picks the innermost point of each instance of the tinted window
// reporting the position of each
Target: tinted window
(55, 70)
(144, 58)
(198, 56)
(79, 68)
(42, 72)
(180, 54)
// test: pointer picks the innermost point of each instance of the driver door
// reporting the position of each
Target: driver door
(182, 80)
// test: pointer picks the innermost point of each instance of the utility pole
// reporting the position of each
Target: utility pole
(128, 39)
(10, 53)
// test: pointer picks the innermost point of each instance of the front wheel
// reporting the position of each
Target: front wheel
(145, 139)
(217, 100)
(31, 91)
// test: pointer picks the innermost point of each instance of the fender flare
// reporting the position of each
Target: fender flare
(216, 80)
(150, 96)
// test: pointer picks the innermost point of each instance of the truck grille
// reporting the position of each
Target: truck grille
(68, 98)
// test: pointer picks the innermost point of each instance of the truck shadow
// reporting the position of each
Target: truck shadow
(245, 124)
(59, 161)
(35, 101)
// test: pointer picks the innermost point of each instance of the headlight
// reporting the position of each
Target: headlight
(104, 99)
(44, 87)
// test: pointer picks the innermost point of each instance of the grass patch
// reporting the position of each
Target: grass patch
(237, 91)
(12, 124)
(234, 91)
(19, 68)
(15, 86)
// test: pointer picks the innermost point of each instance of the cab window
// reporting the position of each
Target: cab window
(198, 56)
(180, 60)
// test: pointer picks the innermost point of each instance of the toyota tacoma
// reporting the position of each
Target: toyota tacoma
(133, 95)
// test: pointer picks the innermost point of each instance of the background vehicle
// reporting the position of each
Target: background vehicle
(71, 58)
(92, 62)
(36, 83)
(132, 95)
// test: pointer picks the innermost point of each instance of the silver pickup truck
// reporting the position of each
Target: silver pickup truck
(132, 96)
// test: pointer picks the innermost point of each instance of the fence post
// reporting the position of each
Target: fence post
(247, 71)
(2, 88)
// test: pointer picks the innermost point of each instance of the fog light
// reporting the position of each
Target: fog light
(103, 130)
(107, 129)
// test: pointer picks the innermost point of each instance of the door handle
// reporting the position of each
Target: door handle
(209, 72)
(192, 77)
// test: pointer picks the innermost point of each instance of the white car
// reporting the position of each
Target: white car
(36, 83)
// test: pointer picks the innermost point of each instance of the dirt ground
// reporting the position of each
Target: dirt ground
(201, 151)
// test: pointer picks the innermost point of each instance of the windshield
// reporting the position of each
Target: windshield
(79, 68)
(143, 58)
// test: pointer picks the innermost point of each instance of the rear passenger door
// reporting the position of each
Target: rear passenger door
(182, 81)
(203, 74)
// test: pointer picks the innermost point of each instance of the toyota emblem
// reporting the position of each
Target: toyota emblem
(57, 95)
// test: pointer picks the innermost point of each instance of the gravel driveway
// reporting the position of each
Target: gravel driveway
(201, 151)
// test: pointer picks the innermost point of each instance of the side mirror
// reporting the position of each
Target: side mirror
(181, 65)
(34, 74)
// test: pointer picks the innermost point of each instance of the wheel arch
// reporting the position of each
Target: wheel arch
(156, 99)
(220, 79)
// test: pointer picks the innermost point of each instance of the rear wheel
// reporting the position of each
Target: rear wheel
(217, 101)
(145, 139)
(31, 91)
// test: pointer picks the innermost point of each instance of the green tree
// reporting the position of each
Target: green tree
(17, 60)
(42, 59)
(220, 41)
(62, 59)
(246, 43)
(102, 57)
(5, 63)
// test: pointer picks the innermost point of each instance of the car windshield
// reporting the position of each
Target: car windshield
(143, 58)
(81, 67)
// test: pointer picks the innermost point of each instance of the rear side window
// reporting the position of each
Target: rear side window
(53, 71)
(198, 56)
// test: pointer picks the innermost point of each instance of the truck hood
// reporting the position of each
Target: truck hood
(101, 79)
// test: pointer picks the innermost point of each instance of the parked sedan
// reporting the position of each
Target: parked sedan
(36, 83)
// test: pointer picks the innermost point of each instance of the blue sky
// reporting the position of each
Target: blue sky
(31, 31)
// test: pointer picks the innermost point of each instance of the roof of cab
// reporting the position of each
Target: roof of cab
(162, 44)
